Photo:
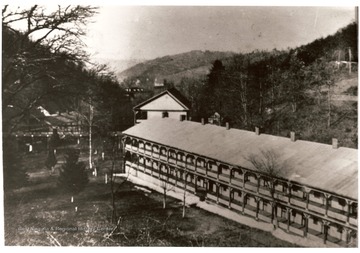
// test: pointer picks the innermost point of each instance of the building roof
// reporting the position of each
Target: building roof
(309, 163)
(174, 93)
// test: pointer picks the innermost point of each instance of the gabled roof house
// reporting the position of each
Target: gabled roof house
(167, 104)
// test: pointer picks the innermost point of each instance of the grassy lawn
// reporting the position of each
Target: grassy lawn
(42, 214)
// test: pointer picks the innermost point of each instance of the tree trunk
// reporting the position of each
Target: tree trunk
(329, 108)
(261, 99)
(164, 199)
(90, 137)
(184, 200)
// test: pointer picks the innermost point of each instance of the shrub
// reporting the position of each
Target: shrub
(15, 175)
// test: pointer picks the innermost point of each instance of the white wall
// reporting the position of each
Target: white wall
(165, 102)
(172, 115)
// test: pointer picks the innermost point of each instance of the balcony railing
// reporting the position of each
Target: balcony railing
(201, 170)
(224, 177)
(316, 207)
(336, 214)
(211, 196)
(264, 191)
(298, 201)
(251, 186)
(237, 182)
(353, 221)
(191, 167)
(281, 196)
(212, 174)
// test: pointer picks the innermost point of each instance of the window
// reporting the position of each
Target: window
(264, 205)
(317, 194)
(342, 202)
(219, 169)
(285, 188)
(315, 220)
(165, 114)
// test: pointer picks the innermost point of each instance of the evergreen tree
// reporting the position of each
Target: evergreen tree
(50, 160)
(14, 175)
(73, 177)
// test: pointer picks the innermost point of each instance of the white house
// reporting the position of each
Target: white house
(167, 104)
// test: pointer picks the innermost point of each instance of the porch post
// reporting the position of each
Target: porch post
(244, 179)
(273, 213)
(289, 192)
(243, 200)
(307, 190)
(288, 211)
(348, 204)
(167, 155)
(217, 192)
(152, 167)
(325, 225)
(306, 223)
(326, 198)
(257, 200)
(176, 176)
(258, 183)
(206, 163)
(195, 178)
(230, 194)
(195, 165)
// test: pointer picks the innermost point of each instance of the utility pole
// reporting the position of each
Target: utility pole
(357, 14)
(349, 60)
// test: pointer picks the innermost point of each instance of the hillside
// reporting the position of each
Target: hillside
(192, 64)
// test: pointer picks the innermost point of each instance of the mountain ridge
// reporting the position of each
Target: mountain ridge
(194, 63)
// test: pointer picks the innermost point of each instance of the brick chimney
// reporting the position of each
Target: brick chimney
(257, 131)
(335, 143)
(227, 125)
(202, 121)
(292, 136)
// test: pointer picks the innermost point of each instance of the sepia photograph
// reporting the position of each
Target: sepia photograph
(179, 125)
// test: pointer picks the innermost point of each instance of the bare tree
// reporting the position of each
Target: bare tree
(184, 197)
(36, 42)
(268, 163)
(165, 185)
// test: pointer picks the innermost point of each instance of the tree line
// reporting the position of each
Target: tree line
(44, 63)
(281, 91)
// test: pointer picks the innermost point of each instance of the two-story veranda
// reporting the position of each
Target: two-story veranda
(315, 195)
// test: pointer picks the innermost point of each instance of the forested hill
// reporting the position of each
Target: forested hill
(309, 89)
(335, 47)
(172, 68)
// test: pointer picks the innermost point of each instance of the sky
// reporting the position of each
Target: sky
(148, 32)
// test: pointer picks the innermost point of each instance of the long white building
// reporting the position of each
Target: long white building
(314, 195)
